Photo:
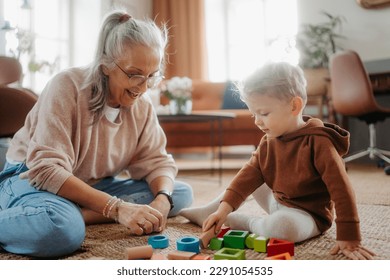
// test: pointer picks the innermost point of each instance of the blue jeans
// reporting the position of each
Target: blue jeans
(42, 224)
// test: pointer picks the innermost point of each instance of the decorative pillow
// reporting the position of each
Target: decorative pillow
(231, 97)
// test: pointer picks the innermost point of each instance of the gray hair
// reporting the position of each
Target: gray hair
(280, 79)
(119, 31)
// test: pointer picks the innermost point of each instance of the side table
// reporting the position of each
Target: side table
(216, 132)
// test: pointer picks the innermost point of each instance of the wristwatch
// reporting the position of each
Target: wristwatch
(168, 195)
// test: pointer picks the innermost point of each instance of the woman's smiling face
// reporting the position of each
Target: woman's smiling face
(137, 60)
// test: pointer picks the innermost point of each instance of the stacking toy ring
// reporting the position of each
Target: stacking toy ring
(158, 241)
(189, 244)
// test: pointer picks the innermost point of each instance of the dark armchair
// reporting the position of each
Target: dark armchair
(15, 102)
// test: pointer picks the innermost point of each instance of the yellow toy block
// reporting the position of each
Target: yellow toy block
(260, 244)
(250, 239)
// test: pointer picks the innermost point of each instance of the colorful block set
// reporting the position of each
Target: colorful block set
(229, 245)
(239, 240)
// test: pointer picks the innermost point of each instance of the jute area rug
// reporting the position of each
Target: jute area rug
(372, 188)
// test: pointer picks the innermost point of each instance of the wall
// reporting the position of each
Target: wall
(87, 17)
(367, 32)
(363, 29)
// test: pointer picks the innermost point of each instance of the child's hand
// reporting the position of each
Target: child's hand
(353, 250)
(217, 218)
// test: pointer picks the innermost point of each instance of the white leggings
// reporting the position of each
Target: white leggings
(281, 222)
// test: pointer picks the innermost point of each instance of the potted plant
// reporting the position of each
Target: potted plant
(317, 42)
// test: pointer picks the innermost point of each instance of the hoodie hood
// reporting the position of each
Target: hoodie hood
(314, 126)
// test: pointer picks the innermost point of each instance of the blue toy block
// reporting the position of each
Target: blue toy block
(158, 241)
(235, 239)
(189, 244)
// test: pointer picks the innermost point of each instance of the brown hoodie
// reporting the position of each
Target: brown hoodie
(305, 170)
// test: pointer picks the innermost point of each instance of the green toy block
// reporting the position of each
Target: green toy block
(216, 243)
(230, 254)
(260, 244)
(235, 239)
(249, 241)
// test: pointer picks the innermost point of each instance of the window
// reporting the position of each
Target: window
(244, 34)
(38, 38)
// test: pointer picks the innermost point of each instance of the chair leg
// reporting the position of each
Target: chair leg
(372, 151)
(357, 155)
(381, 156)
(386, 153)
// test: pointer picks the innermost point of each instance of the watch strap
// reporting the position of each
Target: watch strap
(168, 195)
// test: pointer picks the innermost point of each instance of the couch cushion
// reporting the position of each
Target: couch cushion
(231, 97)
(207, 95)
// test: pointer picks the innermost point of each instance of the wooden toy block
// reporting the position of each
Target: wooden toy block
(158, 257)
(249, 241)
(140, 252)
(158, 241)
(201, 257)
(180, 255)
(230, 254)
(188, 243)
(260, 244)
(235, 239)
(216, 243)
(278, 246)
(206, 236)
(222, 232)
(283, 256)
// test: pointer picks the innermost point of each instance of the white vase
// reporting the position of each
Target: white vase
(180, 106)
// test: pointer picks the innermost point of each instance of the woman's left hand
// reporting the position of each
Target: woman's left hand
(353, 250)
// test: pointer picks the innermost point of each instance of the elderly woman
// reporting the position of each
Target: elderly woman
(89, 125)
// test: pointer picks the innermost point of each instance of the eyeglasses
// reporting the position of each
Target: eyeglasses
(138, 80)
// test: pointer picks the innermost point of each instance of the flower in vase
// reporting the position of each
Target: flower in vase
(178, 91)
(178, 88)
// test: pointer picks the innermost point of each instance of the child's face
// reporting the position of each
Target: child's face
(273, 116)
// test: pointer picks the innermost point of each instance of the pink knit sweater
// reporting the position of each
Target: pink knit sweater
(59, 140)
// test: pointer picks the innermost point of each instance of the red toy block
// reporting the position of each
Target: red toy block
(223, 231)
(283, 256)
(278, 246)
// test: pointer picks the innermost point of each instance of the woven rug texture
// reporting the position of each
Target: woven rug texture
(372, 189)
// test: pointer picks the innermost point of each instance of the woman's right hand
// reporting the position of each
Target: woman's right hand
(218, 217)
(139, 218)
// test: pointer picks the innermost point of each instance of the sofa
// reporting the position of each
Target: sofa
(212, 97)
